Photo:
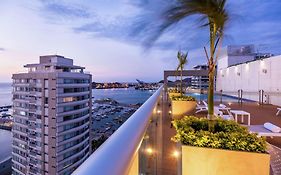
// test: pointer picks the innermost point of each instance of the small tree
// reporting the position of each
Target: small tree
(182, 58)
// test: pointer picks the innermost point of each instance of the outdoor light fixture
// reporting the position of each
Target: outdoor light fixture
(247, 66)
(176, 154)
(149, 151)
(159, 111)
(262, 63)
(146, 137)
(170, 112)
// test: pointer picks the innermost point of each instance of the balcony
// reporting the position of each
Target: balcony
(73, 94)
(70, 85)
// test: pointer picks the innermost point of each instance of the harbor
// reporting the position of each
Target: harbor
(108, 116)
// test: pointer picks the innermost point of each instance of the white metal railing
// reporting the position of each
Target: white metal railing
(115, 156)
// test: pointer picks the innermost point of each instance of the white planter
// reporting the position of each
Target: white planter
(182, 108)
(208, 161)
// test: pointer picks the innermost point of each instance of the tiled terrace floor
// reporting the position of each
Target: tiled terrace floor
(259, 115)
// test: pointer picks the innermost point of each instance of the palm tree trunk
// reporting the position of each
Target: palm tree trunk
(211, 72)
(181, 84)
(211, 95)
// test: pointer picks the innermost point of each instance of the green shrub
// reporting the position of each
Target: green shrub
(182, 98)
(226, 134)
(174, 90)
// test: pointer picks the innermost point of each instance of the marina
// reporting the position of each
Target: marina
(108, 116)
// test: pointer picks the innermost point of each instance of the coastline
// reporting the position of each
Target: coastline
(7, 128)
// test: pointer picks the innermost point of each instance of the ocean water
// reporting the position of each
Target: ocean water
(6, 144)
(124, 95)
(5, 94)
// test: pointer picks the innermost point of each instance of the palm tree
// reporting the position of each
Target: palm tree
(182, 58)
(212, 14)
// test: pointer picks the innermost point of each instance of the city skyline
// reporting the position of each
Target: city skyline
(103, 40)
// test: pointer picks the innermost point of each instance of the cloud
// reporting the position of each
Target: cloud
(2, 49)
(143, 18)
(65, 10)
(115, 29)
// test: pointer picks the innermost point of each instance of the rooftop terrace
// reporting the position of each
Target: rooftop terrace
(142, 145)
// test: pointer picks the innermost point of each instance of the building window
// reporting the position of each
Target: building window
(46, 100)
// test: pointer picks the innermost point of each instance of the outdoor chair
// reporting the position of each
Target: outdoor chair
(201, 108)
(226, 115)
(278, 111)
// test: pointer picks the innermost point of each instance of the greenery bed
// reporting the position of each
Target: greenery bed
(182, 98)
(174, 90)
(226, 134)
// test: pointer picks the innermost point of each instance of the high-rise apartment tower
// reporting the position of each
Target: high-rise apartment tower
(52, 114)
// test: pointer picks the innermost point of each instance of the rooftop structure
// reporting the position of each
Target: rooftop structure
(51, 104)
(200, 82)
(238, 54)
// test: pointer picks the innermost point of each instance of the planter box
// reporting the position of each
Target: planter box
(181, 108)
(207, 161)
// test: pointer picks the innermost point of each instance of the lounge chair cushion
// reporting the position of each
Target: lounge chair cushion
(271, 127)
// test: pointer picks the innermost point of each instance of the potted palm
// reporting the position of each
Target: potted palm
(182, 104)
(182, 61)
(228, 149)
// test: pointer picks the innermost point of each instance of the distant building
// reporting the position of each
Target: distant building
(238, 54)
(200, 82)
(52, 114)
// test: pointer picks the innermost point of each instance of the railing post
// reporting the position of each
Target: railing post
(221, 95)
(241, 97)
(238, 95)
(261, 94)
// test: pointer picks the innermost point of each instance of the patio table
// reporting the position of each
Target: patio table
(241, 113)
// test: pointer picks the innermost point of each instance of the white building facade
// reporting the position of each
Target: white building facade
(259, 79)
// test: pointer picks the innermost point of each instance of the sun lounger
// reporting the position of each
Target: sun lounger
(219, 111)
(278, 111)
(201, 108)
(262, 131)
(226, 115)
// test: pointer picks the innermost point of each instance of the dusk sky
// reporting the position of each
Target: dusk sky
(105, 36)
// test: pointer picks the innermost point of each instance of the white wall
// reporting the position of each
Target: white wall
(222, 62)
(251, 77)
